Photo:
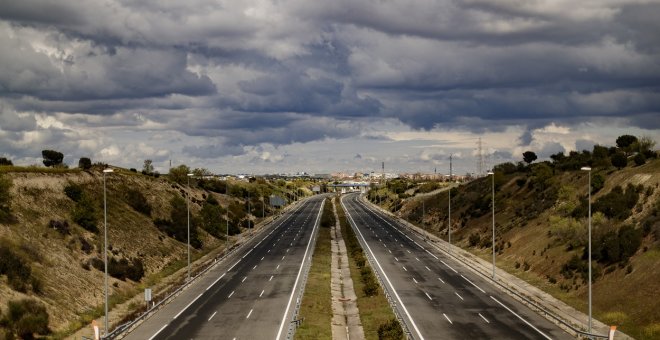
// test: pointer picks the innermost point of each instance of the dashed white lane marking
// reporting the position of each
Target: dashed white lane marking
(250, 313)
(466, 279)
(212, 315)
(278, 267)
(283, 258)
(216, 281)
(441, 280)
(460, 297)
(417, 258)
(244, 278)
(397, 260)
(262, 258)
(408, 251)
(414, 280)
(484, 318)
(160, 330)
(389, 251)
(271, 277)
(262, 293)
(232, 293)
(268, 251)
(287, 250)
(428, 296)
(448, 266)
(255, 267)
(446, 317)
(427, 268)
(186, 307)
(404, 268)
(525, 321)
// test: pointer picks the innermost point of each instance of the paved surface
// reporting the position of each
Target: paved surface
(438, 297)
(248, 296)
(345, 313)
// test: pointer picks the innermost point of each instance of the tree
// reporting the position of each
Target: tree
(85, 163)
(179, 174)
(529, 157)
(5, 161)
(52, 158)
(639, 159)
(619, 160)
(148, 167)
(625, 141)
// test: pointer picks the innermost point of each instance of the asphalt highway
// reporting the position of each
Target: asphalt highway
(438, 297)
(250, 295)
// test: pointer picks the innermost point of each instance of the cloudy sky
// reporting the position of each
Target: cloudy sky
(259, 86)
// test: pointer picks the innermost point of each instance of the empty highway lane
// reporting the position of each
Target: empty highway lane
(251, 294)
(437, 297)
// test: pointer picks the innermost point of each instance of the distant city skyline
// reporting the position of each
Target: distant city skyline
(274, 87)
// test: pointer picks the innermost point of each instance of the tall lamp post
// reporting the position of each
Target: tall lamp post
(188, 208)
(492, 174)
(105, 247)
(586, 168)
(227, 218)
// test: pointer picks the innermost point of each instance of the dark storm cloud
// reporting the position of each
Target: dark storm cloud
(252, 72)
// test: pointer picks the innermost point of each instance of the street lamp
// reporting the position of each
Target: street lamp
(492, 174)
(586, 168)
(227, 218)
(188, 208)
(105, 247)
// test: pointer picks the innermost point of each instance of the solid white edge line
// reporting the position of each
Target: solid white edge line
(216, 281)
(160, 330)
(295, 284)
(472, 283)
(234, 265)
(519, 317)
(212, 315)
(484, 318)
(448, 266)
(186, 307)
(405, 310)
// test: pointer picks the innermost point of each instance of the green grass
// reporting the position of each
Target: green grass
(316, 308)
(375, 311)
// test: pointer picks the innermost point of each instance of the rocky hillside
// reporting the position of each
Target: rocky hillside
(541, 230)
(51, 238)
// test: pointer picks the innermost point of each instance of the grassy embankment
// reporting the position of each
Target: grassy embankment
(316, 306)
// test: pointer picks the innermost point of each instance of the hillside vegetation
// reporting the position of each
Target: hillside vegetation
(541, 226)
(51, 238)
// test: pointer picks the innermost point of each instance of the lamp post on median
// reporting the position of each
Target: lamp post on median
(586, 168)
(105, 248)
(188, 208)
(492, 174)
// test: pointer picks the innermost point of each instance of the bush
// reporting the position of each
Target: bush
(26, 317)
(73, 191)
(617, 203)
(61, 226)
(18, 271)
(639, 159)
(619, 160)
(5, 197)
(390, 330)
(85, 163)
(328, 216)
(177, 226)
(211, 218)
(474, 239)
(85, 214)
(137, 201)
(597, 183)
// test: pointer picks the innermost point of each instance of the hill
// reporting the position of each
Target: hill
(541, 230)
(51, 238)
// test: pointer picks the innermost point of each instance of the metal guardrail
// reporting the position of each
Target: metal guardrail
(119, 330)
(509, 290)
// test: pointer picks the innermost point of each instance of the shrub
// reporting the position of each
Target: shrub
(474, 239)
(597, 183)
(211, 218)
(5, 197)
(85, 163)
(137, 201)
(26, 317)
(619, 160)
(617, 203)
(73, 191)
(328, 216)
(85, 214)
(639, 159)
(61, 226)
(85, 246)
(390, 330)
(18, 271)
(177, 226)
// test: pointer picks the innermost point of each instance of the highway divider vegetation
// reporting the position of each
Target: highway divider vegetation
(378, 319)
(316, 306)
